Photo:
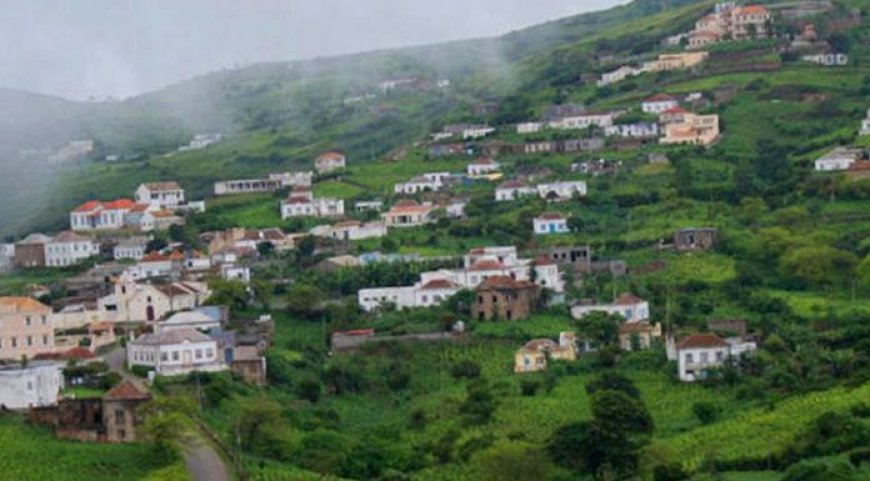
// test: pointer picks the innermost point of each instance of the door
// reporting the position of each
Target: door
(149, 313)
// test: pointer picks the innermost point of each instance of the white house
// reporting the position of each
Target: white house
(562, 191)
(96, 215)
(828, 59)
(476, 131)
(353, 230)
(630, 307)
(635, 130)
(162, 194)
(139, 302)
(550, 223)
(367, 205)
(155, 264)
(293, 179)
(35, 384)
(422, 294)
(617, 75)
(840, 158)
(176, 352)
(529, 127)
(584, 120)
(329, 162)
(201, 141)
(512, 190)
(68, 248)
(247, 186)
(408, 213)
(658, 104)
(303, 203)
(131, 248)
(699, 353)
(482, 167)
(7, 256)
(418, 184)
(865, 125)
(235, 272)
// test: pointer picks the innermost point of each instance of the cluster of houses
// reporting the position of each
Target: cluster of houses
(157, 206)
(664, 63)
(730, 22)
(479, 265)
(697, 355)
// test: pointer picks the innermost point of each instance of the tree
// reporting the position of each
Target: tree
(265, 249)
(619, 413)
(610, 380)
(863, 271)
(512, 461)
(230, 293)
(262, 429)
(600, 326)
(304, 300)
(166, 419)
(705, 411)
(818, 266)
(479, 403)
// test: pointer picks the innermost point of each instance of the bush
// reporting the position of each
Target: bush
(140, 370)
(529, 387)
(706, 412)
(859, 456)
(465, 369)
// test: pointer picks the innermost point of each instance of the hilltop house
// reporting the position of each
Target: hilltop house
(840, 158)
(155, 264)
(68, 248)
(513, 190)
(504, 298)
(693, 130)
(637, 130)
(478, 266)
(632, 308)
(30, 385)
(175, 352)
(562, 191)
(247, 186)
(692, 239)
(351, 230)
(584, 120)
(131, 248)
(675, 115)
(617, 75)
(293, 179)
(97, 215)
(675, 61)
(550, 223)
(482, 167)
(529, 127)
(25, 328)
(160, 194)
(865, 125)
(534, 355)
(330, 162)
(420, 184)
(699, 353)
(658, 103)
(138, 302)
(730, 22)
(408, 213)
(302, 202)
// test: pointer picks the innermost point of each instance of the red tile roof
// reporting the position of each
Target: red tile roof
(504, 282)
(331, 155)
(659, 98)
(675, 110)
(119, 204)
(486, 265)
(551, 216)
(699, 341)
(438, 284)
(87, 206)
(356, 332)
(627, 299)
(126, 391)
(483, 161)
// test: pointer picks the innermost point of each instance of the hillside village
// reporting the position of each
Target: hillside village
(683, 223)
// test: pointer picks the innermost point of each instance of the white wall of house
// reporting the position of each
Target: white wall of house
(693, 363)
(37, 384)
(550, 226)
(630, 312)
(563, 190)
(62, 254)
(162, 198)
(317, 207)
(177, 359)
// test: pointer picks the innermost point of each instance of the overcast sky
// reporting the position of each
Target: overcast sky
(83, 48)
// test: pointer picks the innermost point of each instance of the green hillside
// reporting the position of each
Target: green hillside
(792, 256)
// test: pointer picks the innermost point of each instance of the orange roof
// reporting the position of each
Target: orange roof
(504, 282)
(675, 110)
(331, 155)
(701, 341)
(486, 265)
(626, 298)
(22, 304)
(543, 261)
(126, 391)
(752, 9)
(87, 206)
(551, 216)
(119, 204)
(484, 161)
(438, 284)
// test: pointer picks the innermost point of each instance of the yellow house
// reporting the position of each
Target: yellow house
(693, 130)
(643, 332)
(534, 355)
(676, 61)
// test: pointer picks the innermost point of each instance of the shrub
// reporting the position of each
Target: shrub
(529, 387)
(706, 412)
(465, 369)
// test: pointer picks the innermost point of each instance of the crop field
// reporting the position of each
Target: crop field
(34, 455)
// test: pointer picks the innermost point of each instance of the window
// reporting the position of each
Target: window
(720, 356)
(120, 416)
(14, 342)
(174, 355)
(209, 353)
(29, 340)
(689, 358)
(199, 353)
(44, 340)
(164, 356)
(27, 320)
(705, 357)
